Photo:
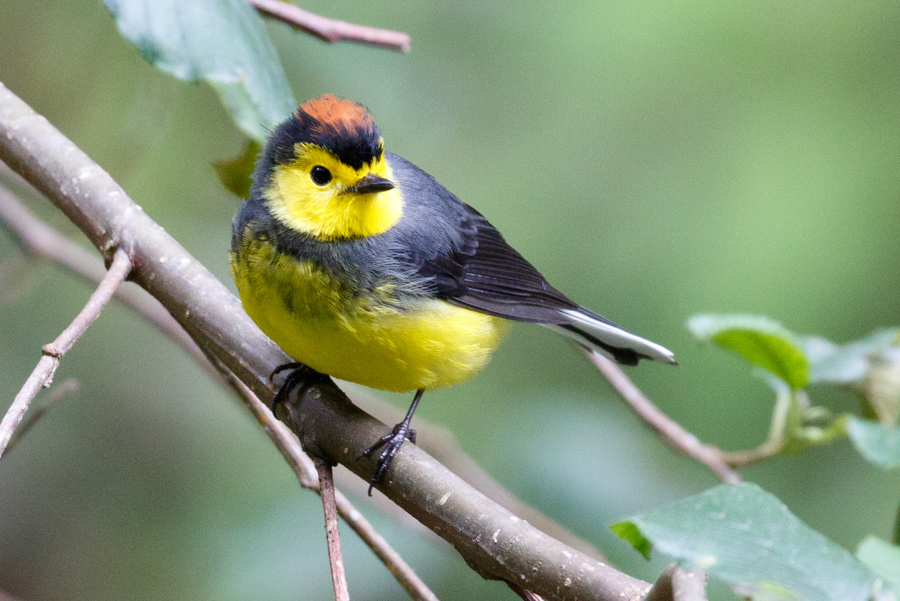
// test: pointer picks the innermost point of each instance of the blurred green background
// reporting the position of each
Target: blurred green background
(653, 159)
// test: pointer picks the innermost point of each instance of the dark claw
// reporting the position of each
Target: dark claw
(284, 367)
(300, 375)
(391, 443)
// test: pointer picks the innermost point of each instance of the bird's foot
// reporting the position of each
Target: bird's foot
(300, 375)
(391, 443)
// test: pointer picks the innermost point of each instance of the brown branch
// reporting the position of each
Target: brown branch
(44, 241)
(442, 444)
(332, 30)
(42, 376)
(495, 543)
(303, 467)
(332, 532)
(670, 430)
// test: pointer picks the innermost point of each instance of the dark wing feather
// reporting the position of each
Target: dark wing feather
(485, 273)
(461, 258)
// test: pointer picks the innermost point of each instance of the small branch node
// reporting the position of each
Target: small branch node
(42, 375)
(50, 350)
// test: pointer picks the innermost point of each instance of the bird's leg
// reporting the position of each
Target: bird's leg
(392, 442)
(300, 375)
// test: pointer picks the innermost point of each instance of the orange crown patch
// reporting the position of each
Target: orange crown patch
(338, 113)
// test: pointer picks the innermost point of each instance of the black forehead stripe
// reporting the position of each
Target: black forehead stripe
(354, 147)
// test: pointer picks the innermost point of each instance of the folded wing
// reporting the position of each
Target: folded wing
(486, 274)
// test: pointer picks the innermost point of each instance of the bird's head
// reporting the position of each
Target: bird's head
(324, 172)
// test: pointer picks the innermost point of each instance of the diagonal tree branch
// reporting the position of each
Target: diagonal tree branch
(494, 542)
(441, 443)
(43, 372)
(44, 241)
(332, 30)
(40, 239)
(303, 467)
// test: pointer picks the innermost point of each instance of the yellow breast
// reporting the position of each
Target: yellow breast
(372, 340)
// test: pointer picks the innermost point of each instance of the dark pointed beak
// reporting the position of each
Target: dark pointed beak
(371, 183)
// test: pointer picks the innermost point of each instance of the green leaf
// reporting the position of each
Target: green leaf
(759, 340)
(222, 42)
(882, 558)
(846, 364)
(764, 591)
(746, 536)
(235, 173)
(878, 443)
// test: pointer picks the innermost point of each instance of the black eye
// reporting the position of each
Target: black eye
(320, 175)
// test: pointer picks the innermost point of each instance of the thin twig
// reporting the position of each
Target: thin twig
(43, 240)
(662, 423)
(332, 532)
(495, 543)
(42, 376)
(332, 30)
(741, 458)
(67, 387)
(443, 445)
(303, 467)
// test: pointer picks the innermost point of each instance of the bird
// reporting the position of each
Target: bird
(361, 266)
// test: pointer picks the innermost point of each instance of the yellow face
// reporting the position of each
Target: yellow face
(315, 195)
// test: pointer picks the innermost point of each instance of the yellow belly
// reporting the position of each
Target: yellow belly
(427, 344)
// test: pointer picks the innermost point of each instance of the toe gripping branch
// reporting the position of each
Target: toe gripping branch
(392, 443)
(301, 377)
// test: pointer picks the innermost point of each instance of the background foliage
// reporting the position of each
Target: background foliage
(653, 160)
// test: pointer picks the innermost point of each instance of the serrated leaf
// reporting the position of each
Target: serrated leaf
(235, 173)
(746, 536)
(882, 558)
(878, 443)
(759, 340)
(222, 42)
